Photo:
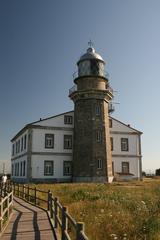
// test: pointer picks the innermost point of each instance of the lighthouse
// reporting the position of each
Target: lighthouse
(92, 158)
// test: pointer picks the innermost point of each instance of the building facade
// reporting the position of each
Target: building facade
(84, 145)
(43, 151)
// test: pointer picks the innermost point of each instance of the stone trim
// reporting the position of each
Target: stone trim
(52, 153)
(126, 156)
(124, 133)
(19, 156)
(52, 128)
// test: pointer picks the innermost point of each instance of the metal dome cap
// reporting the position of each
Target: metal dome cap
(91, 54)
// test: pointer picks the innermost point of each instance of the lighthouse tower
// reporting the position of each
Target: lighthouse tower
(92, 159)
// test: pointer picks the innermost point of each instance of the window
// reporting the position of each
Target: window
(113, 168)
(21, 169)
(125, 167)
(18, 169)
(68, 119)
(25, 141)
(13, 149)
(99, 136)
(48, 168)
(97, 109)
(67, 168)
(111, 140)
(99, 163)
(67, 141)
(124, 144)
(21, 144)
(18, 146)
(49, 140)
(24, 168)
(110, 123)
(12, 169)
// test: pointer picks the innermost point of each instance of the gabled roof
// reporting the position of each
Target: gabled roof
(127, 125)
(44, 119)
(29, 125)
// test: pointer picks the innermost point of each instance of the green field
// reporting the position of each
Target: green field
(113, 211)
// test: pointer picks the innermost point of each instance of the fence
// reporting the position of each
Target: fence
(67, 228)
(6, 203)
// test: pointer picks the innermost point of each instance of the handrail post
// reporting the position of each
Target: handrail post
(7, 205)
(35, 196)
(28, 193)
(55, 212)
(18, 190)
(14, 188)
(23, 191)
(64, 223)
(80, 228)
(51, 205)
(1, 220)
(48, 200)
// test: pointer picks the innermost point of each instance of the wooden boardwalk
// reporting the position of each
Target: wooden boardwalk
(28, 223)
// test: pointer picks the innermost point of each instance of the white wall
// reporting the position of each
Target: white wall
(38, 166)
(119, 126)
(133, 143)
(38, 140)
(19, 160)
(16, 140)
(133, 165)
(57, 121)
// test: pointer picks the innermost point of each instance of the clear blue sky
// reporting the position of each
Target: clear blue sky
(40, 42)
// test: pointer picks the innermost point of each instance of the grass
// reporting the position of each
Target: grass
(113, 211)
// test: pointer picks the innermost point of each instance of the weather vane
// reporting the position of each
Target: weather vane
(90, 43)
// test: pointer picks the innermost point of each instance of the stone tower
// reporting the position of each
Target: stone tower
(92, 159)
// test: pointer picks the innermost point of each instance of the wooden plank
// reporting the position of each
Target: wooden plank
(28, 222)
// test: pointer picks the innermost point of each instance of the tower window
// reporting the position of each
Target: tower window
(68, 119)
(111, 140)
(67, 168)
(49, 140)
(110, 123)
(67, 141)
(48, 168)
(124, 144)
(97, 109)
(125, 167)
(99, 164)
(99, 136)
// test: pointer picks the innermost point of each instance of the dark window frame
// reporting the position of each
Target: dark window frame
(99, 136)
(125, 167)
(68, 119)
(47, 173)
(64, 172)
(111, 141)
(110, 123)
(68, 141)
(124, 144)
(99, 164)
(51, 136)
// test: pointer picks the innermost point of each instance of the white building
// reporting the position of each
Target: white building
(42, 150)
(84, 145)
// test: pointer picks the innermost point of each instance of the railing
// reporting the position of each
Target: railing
(6, 205)
(66, 227)
(73, 89)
